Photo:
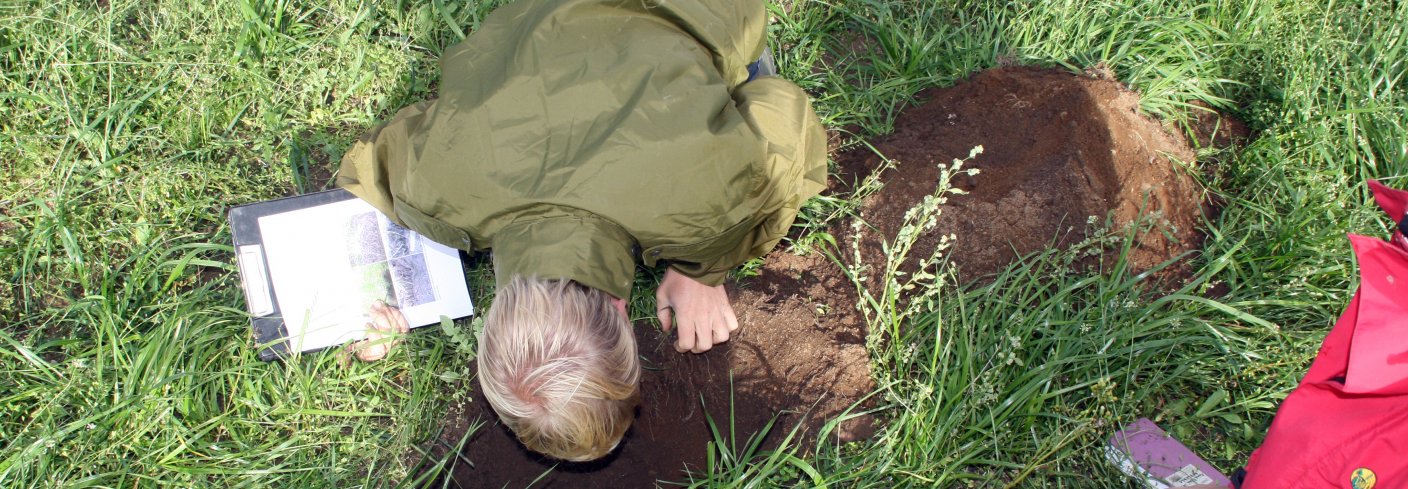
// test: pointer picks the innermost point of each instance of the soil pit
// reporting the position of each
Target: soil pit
(799, 355)
(1058, 148)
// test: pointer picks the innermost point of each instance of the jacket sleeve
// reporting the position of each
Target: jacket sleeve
(794, 168)
(372, 167)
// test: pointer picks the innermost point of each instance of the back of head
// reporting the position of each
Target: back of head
(558, 364)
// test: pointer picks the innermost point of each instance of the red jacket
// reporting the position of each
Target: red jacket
(1346, 424)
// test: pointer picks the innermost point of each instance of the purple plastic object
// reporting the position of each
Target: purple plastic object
(1143, 451)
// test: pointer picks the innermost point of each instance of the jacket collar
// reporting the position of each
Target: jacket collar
(590, 250)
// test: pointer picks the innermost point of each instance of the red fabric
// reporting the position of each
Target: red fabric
(1378, 349)
(1394, 203)
(1322, 434)
(1350, 413)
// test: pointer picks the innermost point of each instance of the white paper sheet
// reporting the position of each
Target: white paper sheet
(329, 263)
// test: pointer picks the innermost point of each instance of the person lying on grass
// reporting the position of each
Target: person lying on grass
(571, 137)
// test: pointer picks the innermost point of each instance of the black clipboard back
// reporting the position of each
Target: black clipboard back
(265, 320)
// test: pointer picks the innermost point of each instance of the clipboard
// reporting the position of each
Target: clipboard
(260, 279)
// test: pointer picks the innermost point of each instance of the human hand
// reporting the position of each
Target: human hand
(703, 313)
(384, 330)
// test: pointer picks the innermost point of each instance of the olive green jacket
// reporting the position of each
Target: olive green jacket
(570, 135)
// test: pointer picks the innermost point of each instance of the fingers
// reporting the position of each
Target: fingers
(720, 333)
(398, 320)
(700, 315)
(697, 334)
(383, 330)
(686, 340)
(726, 324)
(388, 318)
(374, 347)
(667, 317)
(730, 317)
(704, 338)
(694, 337)
(699, 337)
(371, 352)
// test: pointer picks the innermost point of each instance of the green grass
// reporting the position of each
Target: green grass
(127, 128)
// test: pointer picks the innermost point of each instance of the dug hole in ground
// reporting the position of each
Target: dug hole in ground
(1062, 152)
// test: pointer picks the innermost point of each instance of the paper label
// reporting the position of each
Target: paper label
(256, 289)
(1189, 475)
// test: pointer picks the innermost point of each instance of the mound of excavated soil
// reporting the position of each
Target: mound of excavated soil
(1060, 151)
(1059, 148)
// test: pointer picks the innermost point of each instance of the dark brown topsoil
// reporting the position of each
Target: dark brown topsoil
(1058, 148)
(800, 354)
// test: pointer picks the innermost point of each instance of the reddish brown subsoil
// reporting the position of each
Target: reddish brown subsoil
(1059, 148)
(1060, 151)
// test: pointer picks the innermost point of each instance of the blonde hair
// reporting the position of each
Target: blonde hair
(558, 363)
